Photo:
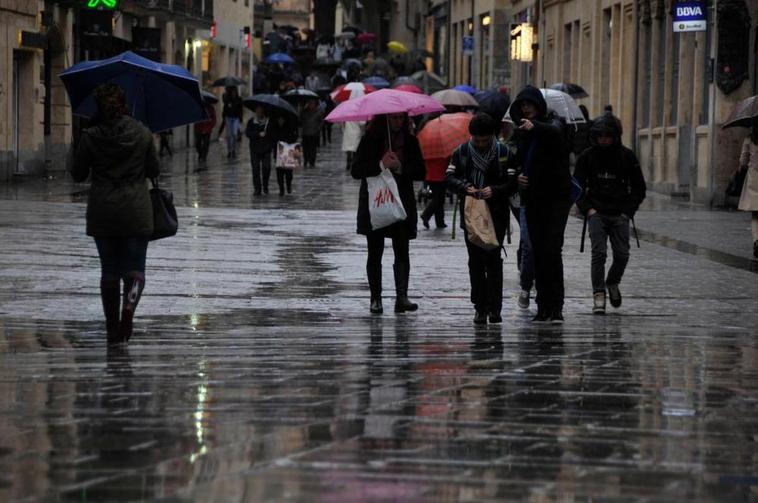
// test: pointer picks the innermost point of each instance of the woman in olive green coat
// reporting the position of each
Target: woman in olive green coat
(118, 155)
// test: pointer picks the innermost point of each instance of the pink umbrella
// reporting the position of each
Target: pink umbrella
(384, 101)
(409, 88)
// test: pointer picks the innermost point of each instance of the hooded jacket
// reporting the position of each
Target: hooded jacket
(548, 165)
(611, 177)
(118, 156)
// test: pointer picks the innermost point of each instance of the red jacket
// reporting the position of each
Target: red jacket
(435, 169)
(206, 127)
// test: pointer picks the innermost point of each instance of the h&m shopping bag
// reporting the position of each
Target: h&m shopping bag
(479, 225)
(384, 205)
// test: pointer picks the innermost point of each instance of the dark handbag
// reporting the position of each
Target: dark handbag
(736, 182)
(165, 221)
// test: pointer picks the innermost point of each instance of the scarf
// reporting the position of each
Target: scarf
(481, 162)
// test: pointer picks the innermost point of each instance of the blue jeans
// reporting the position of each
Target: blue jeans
(232, 130)
(119, 256)
(527, 262)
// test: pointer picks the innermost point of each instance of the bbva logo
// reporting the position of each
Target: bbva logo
(689, 11)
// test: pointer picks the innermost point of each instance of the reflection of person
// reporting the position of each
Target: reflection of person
(232, 116)
(389, 144)
(203, 132)
(118, 153)
(749, 195)
(479, 168)
(262, 141)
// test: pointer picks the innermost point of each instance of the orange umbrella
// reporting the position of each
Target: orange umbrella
(441, 136)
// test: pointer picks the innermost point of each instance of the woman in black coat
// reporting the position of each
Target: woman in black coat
(389, 144)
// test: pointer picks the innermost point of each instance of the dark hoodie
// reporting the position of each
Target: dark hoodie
(610, 176)
(548, 171)
(118, 156)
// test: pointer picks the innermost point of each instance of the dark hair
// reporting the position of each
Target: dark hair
(111, 101)
(482, 125)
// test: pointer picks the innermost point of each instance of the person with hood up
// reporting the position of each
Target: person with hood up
(389, 144)
(118, 155)
(613, 189)
(545, 195)
(480, 168)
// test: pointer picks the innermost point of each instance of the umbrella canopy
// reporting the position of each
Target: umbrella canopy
(352, 62)
(405, 79)
(493, 102)
(441, 136)
(160, 96)
(429, 82)
(350, 91)
(209, 97)
(366, 38)
(377, 82)
(299, 95)
(573, 90)
(228, 81)
(272, 103)
(743, 113)
(384, 101)
(280, 57)
(451, 97)
(409, 88)
(349, 35)
(466, 89)
(397, 47)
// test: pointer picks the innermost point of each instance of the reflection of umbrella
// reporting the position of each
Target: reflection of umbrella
(429, 82)
(384, 101)
(377, 82)
(466, 89)
(493, 102)
(573, 90)
(409, 88)
(441, 136)
(366, 38)
(209, 97)
(299, 95)
(272, 103)
(451, 97)
(160, 96)
(351, 90)
(228, 81)
(397, 47)
(280, 57)
(743, 113)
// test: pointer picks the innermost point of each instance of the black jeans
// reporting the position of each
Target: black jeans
(436, 205)
(546, 221)
(326, 133)
(120, 256)
(485, 270)
(310, 147)
(202, 144)
(401, 249)
(261, 170)
(284, 175)
(616, 229)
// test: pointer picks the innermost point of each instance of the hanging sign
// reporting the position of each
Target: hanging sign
(690, 16)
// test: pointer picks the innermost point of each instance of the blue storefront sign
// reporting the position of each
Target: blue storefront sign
(690, 16)
(468, 45)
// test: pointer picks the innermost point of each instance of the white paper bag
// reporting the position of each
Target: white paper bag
(384, 205)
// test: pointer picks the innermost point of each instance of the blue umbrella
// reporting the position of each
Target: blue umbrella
(280, 57)
(493, 102)
(160, 96)
(377, 82)
(466, 89)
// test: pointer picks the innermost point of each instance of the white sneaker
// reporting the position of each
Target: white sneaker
(523, 299)
(599, 303)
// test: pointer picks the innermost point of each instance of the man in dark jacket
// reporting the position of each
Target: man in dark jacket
(545, 183)
(479, 168)
(614, 188)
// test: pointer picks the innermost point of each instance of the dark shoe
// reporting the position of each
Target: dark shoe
(496, 318)
(110, 294)
(425, 221)
(376, 306)
(541, 317)
(443, 225)
(133, 286)
(614, 295)
(257, 193)
(755, 248)
(480, 318)
(557, 317)
(403, 304)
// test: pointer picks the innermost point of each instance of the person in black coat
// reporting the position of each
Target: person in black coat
(389, 144)
(479, 168)
(613, 189)
(545, 183)
(260, 132)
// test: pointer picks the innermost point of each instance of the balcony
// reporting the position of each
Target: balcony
(195, 10)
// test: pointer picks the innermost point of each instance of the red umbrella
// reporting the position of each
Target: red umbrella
(351, 90)
(366, 38)
(409, 88)
(441, 136)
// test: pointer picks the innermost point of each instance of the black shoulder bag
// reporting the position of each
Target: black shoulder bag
(165, 222)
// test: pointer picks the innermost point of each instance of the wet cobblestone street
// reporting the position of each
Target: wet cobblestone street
(257, 374)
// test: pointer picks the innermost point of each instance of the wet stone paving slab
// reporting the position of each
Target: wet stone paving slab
(257, 374)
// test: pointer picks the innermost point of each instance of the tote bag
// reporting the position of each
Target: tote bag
(165, 221)
(384, 205)
(479, 224)
(289, 155)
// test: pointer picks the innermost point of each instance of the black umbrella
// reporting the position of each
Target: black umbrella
(351, 62)
(493, 102)
(355, 30)
(209, 97)
(299, 95)
(272, 103)
(228, 81)
(743, 114)
(573, 90)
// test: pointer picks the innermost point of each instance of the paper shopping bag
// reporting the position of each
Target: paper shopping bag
(479, 224)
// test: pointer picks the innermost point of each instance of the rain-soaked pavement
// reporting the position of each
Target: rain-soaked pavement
(257, 374)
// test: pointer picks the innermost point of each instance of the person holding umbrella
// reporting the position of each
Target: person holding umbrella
(232, 116)
(262, 142)
(749, 194)
(118, 154)
(204, 129)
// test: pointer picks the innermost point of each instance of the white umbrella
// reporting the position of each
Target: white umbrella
(561, 104)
